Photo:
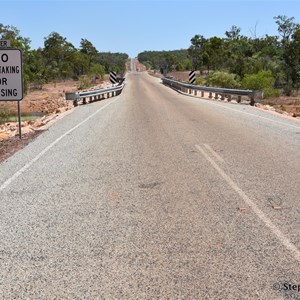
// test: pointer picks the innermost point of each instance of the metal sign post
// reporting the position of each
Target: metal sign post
(19, 120)
(11, 76)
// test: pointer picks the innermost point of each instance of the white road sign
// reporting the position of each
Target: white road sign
(4, 43)
(11, 79)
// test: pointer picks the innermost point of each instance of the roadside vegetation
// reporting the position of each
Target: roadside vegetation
(7, 115)
(60, 60)
(269, 63)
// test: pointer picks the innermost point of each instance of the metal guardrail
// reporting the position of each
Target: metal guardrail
(93, 95)
(223, 92)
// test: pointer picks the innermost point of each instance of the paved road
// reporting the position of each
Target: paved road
(154, 195)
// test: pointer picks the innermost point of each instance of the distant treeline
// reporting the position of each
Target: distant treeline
(60, 60)
(266, 62)
(178, 60)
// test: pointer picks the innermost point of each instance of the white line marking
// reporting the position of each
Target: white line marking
(253, 115)
(276, 231)
(214, 153)
(24, 168)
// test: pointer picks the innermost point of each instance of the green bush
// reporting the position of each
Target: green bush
(97, 71)
(4, 116)
(263, 80)
(200, 80)
(223, 79)
(84, 82)
(271, 93)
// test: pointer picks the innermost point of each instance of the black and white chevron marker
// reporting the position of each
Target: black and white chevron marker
(113, 77)
(192, 77)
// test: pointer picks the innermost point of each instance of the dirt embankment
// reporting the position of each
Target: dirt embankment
(48, 103)
(45, 101)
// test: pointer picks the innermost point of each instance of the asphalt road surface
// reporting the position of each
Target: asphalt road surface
(154, 195)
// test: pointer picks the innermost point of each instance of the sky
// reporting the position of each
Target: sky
(134, 26)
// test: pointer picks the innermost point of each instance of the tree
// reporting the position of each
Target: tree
(97, 72)
(214, 53)
(37, 68)
(81, 64)
(12, 34)
(286, 27)
(292, 58)
(197, 52)
(171, 61)
(59, 55)
(87, 48)
(166, 59)
(233, 33)
(113, 61)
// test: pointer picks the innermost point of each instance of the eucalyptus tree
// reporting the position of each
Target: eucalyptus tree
(88, 49)
(286, 29)
(292, 58)
(59, 54)
(197, 52)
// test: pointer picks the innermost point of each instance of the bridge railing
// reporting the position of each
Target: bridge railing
(93, 95)
(219, 92)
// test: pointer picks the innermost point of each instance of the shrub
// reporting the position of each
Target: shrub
(4, 115)
(271, 93)
(200, 80)
(148, 65)
(97, 71)
(84, 82)
(263, 80)
(223, 79)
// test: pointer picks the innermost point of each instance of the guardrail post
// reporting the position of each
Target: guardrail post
(93, 95)
(213, 92)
